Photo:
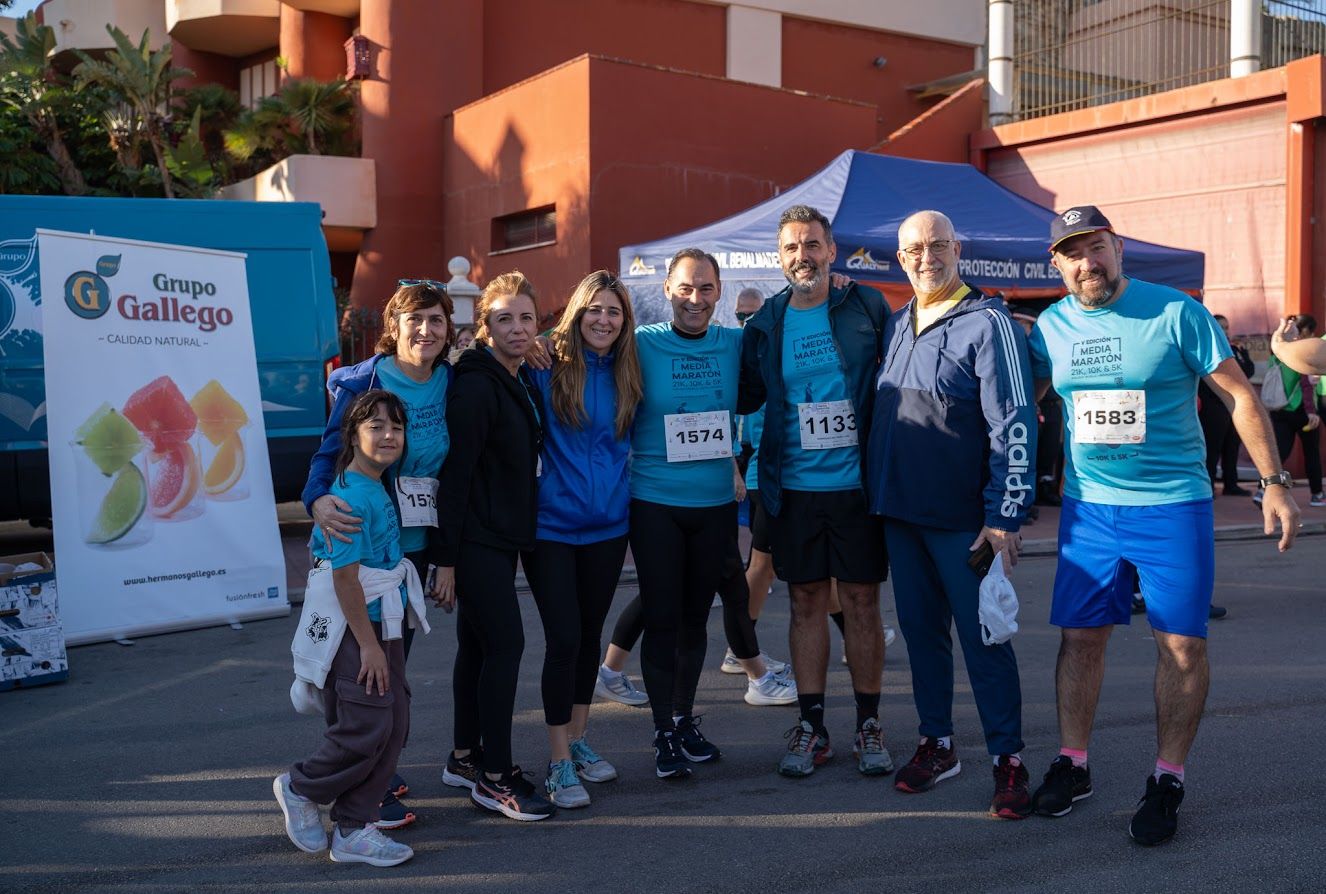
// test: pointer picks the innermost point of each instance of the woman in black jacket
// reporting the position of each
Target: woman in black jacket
(491, 478)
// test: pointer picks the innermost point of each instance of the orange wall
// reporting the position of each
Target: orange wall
(837, 61)
(523, 37)
(207, 68)
(413, 85)
(525, 148)
(941, 133)
(313, 43)
(724, 147)
(1214, 182)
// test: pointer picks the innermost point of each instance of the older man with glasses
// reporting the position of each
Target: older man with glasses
(951, 468)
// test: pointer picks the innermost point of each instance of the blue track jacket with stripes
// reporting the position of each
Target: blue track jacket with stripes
(953, 438)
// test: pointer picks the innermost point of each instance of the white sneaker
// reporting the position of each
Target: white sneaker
(589, 765)
(772, 689)
(303, 822)
(368, 845)
(619, 688)
(731, 665)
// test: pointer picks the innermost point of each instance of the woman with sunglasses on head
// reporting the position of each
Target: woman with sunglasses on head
(490, 481)
(410, 362)
(590, 394)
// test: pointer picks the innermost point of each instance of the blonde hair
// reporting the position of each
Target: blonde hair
(568, 345)
(418, 296)
(502, 286)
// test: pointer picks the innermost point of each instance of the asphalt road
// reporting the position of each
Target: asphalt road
(150, 771)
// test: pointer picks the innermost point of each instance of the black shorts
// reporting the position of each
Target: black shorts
(822, 534)
(759, 523)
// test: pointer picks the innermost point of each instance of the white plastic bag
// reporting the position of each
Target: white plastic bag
(998, 607)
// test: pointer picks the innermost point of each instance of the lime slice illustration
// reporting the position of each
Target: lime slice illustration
(121, 508)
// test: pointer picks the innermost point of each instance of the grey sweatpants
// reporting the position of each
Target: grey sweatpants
(351, 767)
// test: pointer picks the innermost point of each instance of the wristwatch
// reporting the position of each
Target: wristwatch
(1282, 478)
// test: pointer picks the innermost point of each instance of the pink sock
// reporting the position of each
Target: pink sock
(1174, 770)
(1079, 758)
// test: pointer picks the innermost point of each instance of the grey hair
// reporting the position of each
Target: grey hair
(805, 214)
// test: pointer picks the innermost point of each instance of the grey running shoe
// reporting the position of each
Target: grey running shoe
(872, 758)
(619, 688)
(771, 689)
(368, 845)
(563, 785)
(303, 823)
(806, 750)
(589, 765)
(732, 665)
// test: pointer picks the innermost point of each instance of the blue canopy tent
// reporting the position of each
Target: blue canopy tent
(866, 197)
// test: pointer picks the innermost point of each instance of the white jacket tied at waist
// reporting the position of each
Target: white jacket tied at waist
(322, 624)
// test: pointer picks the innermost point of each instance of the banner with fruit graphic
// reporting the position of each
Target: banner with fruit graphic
(161, 493)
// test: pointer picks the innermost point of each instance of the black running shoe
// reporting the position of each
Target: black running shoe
(462, 772)
(694, 745)
(1157, 819)
(1064, 785)
(669, 762)
(513, 795)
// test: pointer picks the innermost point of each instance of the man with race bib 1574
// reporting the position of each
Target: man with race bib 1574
(1126, 356)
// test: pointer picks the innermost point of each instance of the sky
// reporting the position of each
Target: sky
(21, 8)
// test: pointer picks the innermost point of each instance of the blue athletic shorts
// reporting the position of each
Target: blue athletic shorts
(1170, 549)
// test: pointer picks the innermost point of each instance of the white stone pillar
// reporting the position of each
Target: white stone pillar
(999, 85)
(1245, 37)
(463, 292)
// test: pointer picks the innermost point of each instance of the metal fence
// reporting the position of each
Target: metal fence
(1071, 54)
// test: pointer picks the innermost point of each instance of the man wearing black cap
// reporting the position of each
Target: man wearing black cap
(1126, 356)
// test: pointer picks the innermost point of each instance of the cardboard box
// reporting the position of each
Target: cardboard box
(32, 650)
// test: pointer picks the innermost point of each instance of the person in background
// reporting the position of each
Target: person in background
(1298, 418)
(1303, 355)
(590, 394)
(1222, 441)
(490, 477)
(410, 361)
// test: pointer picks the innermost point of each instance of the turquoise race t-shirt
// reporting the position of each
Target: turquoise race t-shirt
(1145, 351)
(377, 544)
(426, 436)
(812, 374)
(752, 427)
(684, 377)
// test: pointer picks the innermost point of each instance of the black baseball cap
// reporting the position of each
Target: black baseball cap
(1075, 221)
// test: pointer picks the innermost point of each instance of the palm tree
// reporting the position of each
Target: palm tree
(142, 78)
(32, 86)
(317, 112)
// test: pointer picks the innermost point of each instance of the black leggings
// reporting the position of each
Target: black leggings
(1287, 425)
(573, 587)
(737, 624)
(680, 556)
(491, 639)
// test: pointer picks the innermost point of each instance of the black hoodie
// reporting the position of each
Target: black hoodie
(488, 491)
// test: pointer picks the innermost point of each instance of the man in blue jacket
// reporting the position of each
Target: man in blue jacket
(809, 357)
(951, 468)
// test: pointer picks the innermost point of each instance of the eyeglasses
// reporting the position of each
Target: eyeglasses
(442, 287)
(938, 247)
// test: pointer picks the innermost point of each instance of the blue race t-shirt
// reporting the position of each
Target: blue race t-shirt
(1154, 340)
(813, 373)
(684, 376)
(752, 429)
(377, 544)
(426, 436)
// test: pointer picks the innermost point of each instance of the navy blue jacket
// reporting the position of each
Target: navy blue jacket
(856, 319)
(953, 443)
(584, 492)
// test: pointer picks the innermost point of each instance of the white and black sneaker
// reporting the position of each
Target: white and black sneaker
(669, 762)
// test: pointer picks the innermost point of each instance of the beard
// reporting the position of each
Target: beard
(1099, 295)
(804, 285)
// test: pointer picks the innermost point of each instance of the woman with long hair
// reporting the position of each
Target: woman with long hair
(591, 392)
(490, 481)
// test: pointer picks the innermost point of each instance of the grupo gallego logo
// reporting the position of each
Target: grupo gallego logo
(88, 295)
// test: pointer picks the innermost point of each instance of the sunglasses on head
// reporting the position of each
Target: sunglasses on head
(422, 282)
(744, 315)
